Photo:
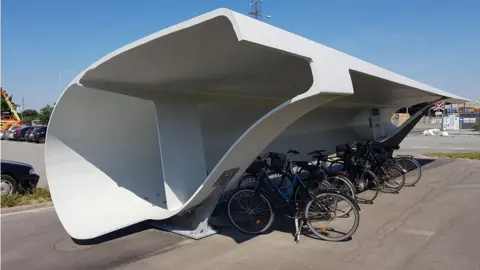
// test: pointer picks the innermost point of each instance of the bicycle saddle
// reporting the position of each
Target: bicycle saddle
(293, 151)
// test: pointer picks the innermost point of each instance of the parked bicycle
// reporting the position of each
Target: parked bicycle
(411, 167)
(390, 175)
(313, 173)
(361, 180)
(252, 209)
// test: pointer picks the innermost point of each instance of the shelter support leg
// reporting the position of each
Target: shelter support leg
(181, 147)
(194, 223)
(402, 131)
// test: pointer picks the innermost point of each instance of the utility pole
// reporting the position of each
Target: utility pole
(23, 108)
(256, 10)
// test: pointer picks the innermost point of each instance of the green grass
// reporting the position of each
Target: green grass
(471, 155)
(41, 195)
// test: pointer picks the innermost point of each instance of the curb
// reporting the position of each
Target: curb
(22, 208)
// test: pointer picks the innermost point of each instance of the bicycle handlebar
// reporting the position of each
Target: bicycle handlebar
(316, 152)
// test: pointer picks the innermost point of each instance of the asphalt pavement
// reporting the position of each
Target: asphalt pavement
(421, 144)
(430, 226)
(31, 153)
(37, 240)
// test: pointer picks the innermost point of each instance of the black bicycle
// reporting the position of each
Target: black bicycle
(314, 174)
(390, 175)
(354, 166)
(252, 209)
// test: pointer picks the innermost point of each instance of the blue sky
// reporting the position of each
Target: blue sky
(45, 44)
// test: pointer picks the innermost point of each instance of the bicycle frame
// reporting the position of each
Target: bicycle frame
(266, 187)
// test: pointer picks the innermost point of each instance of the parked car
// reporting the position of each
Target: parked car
(28, 134)
(38, 134)
(5, 133)
(8, 133)
(19, 134)
(17, 177)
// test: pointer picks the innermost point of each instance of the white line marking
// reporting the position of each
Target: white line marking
(459, 148)
(421, 147)
(418, 232)
(27, 211)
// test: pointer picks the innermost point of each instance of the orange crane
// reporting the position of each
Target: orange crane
(9, 120)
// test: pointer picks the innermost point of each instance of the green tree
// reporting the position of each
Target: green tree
(45, 113)
(29, 115)
(30, 112)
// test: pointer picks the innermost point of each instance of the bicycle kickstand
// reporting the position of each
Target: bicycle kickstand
(298, 229)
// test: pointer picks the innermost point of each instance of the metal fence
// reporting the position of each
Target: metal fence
(468, 120)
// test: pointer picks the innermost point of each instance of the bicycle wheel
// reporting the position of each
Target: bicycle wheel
(391, 177)
(327, 210)
(247, 180)
(367, 185)
(412, 169)
(250, 212)
(312, 186)
(343, 185)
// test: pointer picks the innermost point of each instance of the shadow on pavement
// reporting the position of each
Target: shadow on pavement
(221, 222)
(424, 161)
(130, 230)
(428, 163)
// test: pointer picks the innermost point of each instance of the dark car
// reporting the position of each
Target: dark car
(19, 134)
(38, 134)
(17, 177)
(28, 134)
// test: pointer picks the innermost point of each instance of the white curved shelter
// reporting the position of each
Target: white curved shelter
(156, 129)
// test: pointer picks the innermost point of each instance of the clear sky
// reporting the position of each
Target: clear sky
(45, 44)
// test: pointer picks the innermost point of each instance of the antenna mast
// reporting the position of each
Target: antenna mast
(256, 10)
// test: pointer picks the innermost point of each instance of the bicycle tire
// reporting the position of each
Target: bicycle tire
(348, 190)
(243, 183)
(252, 192)
(415, 164)
(353, 206)
(302, 194)
(386, 186)
(375, 186)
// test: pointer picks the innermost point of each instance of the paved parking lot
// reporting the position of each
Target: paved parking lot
(419, 144)
(430, 226)
(30, 153)
(414, 144)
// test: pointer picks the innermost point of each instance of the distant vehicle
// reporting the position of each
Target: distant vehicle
(19, 134)
(28, 134)
(38, 134)
(17, 177)
(8, 133)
